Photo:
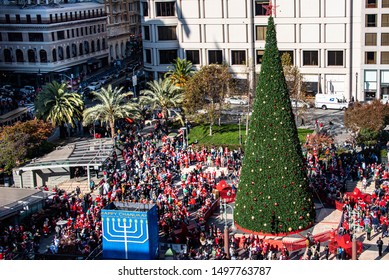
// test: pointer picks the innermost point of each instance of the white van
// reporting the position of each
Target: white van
(330, 101)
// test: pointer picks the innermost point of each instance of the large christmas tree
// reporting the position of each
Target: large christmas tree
(273, 195)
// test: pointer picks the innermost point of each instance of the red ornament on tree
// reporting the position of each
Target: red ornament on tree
(284, 186)
(255, 199)
(275, 204)
(301, 217)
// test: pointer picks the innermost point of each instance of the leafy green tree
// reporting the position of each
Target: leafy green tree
(180, 72)
(163, 95)
(273, 195)
(295, 82)
(22, 141)
(113, 105)
(206, 89)
(55, 104)
(367, 121)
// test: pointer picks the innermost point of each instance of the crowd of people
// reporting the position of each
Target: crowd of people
(153, 168)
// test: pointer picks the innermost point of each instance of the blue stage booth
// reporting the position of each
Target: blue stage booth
(130, 231)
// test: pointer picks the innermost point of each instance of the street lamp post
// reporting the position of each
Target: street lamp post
(134, 80)
(71, 79)
(240, 135)
(356, 86)
(223, 213)
(247, 117)
(187, 132)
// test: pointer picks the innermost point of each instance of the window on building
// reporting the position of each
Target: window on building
(72, 33)
(148, 56)
(167, 33)
(61, 16)
(310, 58)
(260, 33)
(86, 30)
(71, 15)
(51, 18)
(68, 33)
(145, 8)
(291, 55)
(53, 36)
(7, 19)
(43, 56)
(54, 55)
(31, 56)
(384, 57)
(370, 39)
(238, 57)
(167, 56)
(17, 18)
(371, 3)
(61, 35)
(7, 55)
(1, 37)
(28, 18)
(35, 37)
(77, 32)
(15, 37)
(260, 7)
(215, 57)
(39, 19)
(335, 58)
(259, 56)
(370, 84)
(371, 21)
(193, 56)
(385, 3)
(56, 17)
(165, 9)
(370, 58)
(385, 20)
(82, 31)
(19, 55)
(384, 39)
(146, 32)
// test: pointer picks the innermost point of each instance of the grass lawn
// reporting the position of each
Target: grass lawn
(226, 134)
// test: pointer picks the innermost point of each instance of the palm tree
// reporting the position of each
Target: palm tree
(113, 105)
(164, 95)
(179, 72)
(55, 104)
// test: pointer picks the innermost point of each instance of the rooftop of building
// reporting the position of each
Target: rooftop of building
(14, 199)
(54, 6)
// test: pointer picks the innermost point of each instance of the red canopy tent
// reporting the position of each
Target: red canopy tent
(225, 191)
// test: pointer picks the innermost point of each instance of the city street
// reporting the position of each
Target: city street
(333, 120)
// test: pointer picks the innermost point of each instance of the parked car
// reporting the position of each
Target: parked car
(119, 74)
(27, 90)
(94, 86)
(235, 101)
(105, 79)
(300, 103)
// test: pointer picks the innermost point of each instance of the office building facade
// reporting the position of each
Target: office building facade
(338, 45)
(42, 38)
